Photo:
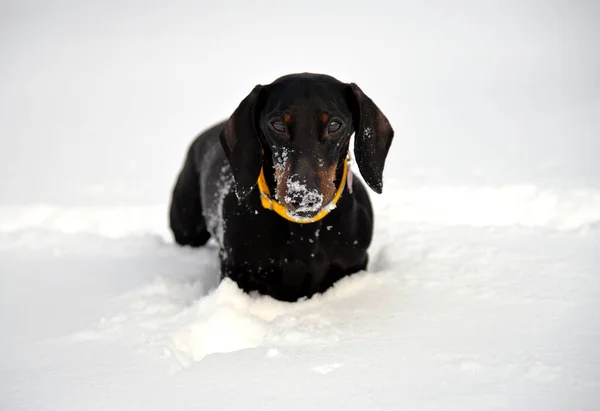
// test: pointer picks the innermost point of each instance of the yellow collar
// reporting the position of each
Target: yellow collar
(270, 204)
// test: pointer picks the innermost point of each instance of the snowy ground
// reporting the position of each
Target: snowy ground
(483, 288)
(500, 315)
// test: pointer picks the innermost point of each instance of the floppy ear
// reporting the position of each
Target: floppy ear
(373, 137)
(240, 140)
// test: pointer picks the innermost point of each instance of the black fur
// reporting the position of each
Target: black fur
(216, 193)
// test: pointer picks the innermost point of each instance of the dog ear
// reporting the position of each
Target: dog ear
(373, 137)
(240, 140)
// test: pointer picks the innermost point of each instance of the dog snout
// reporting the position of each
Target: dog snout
(303, 194)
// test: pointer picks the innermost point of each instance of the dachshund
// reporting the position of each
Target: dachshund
(273, 186)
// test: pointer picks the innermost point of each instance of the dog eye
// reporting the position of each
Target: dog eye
(278, 126)
(334, 126)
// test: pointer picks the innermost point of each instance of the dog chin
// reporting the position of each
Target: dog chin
(302, 214)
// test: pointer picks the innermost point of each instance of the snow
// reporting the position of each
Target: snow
(482, 288)
(216, 222)
(311, 200)
(456, 317)
(280, 157)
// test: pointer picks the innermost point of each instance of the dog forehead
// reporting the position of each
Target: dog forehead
(306, 93)
(307, 80)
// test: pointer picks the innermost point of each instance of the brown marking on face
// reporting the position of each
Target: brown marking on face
(281, 176)
(287, 117)
(324, 118)
(327, 182)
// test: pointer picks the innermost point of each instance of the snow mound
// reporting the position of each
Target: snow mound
(230, 320)
(189, 319)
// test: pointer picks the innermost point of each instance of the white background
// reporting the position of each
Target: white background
(102, 96)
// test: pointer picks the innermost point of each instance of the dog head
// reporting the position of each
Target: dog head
(299, 128)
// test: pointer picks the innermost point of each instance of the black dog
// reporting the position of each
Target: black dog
(289, 138)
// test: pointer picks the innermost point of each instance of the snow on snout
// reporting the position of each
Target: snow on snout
(311, 200)
(280, 158)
